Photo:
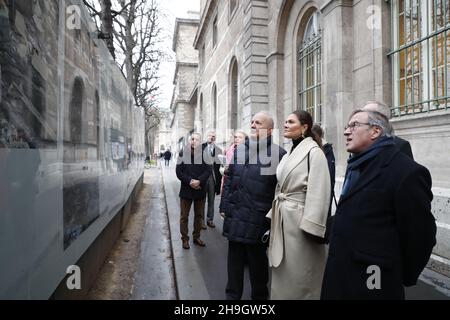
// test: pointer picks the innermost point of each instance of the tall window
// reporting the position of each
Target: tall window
(234, 95)
(233, 6)
(200, 114)
(214, 106)
(202, 58)
(97, 123)
(38, 100)
(215, 32)
(76, 109)
(421, 61)
(309, 57)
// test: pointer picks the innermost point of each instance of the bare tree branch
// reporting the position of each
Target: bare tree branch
(134, 34)
(92, 10)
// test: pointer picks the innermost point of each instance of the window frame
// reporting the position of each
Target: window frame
(311, 56)
(215, 31)
(406, 46)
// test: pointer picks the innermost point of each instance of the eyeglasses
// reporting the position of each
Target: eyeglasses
(355, 124)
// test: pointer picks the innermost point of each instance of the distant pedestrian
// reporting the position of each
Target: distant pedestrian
(248, 193)
(167, 157)
(383, 230)
(193, 173)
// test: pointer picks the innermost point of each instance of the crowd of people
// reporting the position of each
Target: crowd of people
(277, 208)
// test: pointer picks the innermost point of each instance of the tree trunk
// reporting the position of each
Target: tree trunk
(129, 16)
(107, 26)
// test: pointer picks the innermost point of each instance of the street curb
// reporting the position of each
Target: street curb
(177, 291)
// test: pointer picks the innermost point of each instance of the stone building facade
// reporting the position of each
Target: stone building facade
(183, 99)
(163, 137)
(329, 57)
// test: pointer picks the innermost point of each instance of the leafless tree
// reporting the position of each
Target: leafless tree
(135, 29)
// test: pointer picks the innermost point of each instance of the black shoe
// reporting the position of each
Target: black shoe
(211, 224)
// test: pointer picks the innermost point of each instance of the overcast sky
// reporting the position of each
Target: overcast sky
(174, 9)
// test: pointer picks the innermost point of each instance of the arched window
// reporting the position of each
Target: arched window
(97, 122)
(233, 6)
(200, 114)
(234, 95)
(215, 32)
(76, 109)
(214, 106)
(310, 68)
(38, 100)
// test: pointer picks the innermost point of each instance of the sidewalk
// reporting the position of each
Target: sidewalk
(155, 277)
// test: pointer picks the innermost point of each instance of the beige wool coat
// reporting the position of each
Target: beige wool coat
(300, 205)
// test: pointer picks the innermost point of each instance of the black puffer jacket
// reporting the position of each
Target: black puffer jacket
(249, 190)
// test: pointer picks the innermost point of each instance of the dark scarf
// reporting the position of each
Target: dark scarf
(356, 161)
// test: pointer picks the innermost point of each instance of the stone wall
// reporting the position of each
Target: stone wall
(185, 80)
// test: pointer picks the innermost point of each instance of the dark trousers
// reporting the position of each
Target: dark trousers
(211, 195)
(255, 256)
(167, 162)
(185, 206)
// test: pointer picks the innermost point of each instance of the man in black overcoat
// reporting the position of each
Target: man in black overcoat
(383, 231)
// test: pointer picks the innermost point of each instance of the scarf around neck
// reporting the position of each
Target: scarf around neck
(356, 161)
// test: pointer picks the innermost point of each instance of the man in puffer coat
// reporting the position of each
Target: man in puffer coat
(246, 199)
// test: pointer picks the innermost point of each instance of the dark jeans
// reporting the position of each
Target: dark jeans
(258, 266)
(167, 163)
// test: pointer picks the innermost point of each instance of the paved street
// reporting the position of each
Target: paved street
(200, 272)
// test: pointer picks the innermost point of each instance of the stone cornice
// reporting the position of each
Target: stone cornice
(332, 4)
(274, 55)
(182, 64)
(428, 123)
(204, 20)
(178, 22)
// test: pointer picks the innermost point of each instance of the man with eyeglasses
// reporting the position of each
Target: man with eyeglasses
(383, 230)
(402, 144)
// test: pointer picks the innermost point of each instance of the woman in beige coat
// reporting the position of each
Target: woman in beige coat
(299, 214)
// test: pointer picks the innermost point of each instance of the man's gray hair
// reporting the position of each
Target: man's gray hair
(379, 107)
(269, 117)
(377, 119)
